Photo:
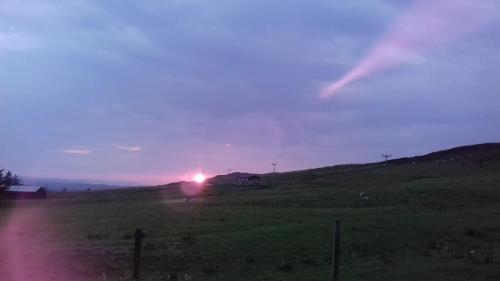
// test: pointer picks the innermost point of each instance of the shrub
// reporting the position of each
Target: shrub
(97, 236)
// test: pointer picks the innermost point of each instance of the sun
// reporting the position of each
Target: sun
(199, 178)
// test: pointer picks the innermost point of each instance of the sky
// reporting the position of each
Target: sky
(156, 91)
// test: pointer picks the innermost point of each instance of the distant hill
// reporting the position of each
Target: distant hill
(56, 185)
(478, 153)
(475, 153)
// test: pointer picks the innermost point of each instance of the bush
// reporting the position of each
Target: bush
(97, 236)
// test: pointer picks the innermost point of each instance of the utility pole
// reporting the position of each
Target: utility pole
(274, 167)
(386, 156)
(228, 181)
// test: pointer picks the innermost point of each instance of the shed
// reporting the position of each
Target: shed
(25, 191)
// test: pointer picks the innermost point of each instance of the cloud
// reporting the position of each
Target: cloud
(18, 42)
(77, 151)
(129, 148)
(425, 26)
(91, 30)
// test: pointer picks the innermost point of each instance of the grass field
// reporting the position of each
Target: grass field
(432, 219)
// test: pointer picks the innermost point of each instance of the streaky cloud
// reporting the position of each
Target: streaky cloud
(129, 148)
(425, 26)
(77, 151)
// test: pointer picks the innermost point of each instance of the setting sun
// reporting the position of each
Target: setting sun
(199, 178)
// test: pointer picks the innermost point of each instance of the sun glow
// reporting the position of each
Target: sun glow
(199, 178)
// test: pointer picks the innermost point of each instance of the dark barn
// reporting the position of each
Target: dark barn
(25, 192)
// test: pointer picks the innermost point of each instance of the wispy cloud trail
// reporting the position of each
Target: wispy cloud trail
(425, 26)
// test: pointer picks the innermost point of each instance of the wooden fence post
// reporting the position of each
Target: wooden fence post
(137, 253)
(336, 252)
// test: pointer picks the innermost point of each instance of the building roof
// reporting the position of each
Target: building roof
(23, 188)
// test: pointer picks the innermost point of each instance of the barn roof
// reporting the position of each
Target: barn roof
(23, 188)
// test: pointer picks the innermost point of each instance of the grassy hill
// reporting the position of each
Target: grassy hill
(431, 217)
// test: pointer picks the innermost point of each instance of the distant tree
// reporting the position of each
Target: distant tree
(8, 180)
(16, 180)
(2, 181)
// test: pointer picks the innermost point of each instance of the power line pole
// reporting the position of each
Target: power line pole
(274, 167)
(228, 180)
(386, 156)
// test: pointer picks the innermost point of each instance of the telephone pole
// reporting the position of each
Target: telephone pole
(274, 167)
(228, 180)
(386, 156)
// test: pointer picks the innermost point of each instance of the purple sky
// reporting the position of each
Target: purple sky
(154, 91)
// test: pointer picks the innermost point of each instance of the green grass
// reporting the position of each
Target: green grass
(428, 221)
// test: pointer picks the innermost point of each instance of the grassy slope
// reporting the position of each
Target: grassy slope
(421, 223)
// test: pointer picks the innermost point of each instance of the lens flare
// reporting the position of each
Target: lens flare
(428, 24)
(32, 248)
